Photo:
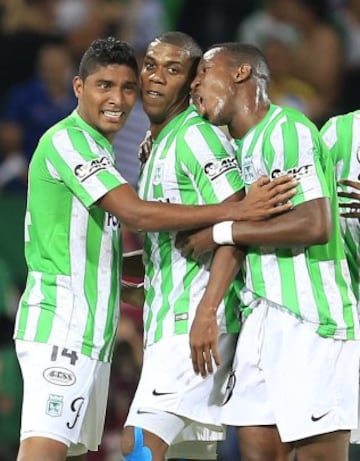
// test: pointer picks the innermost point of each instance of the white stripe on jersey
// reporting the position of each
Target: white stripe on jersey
(332, 291)
(157, 301)
(52, 170)
(269, 265)
(330, 137)
(64, 309)
(34, 300)
(104, 286)
(310, 182)
(77, 243)
(307, 304)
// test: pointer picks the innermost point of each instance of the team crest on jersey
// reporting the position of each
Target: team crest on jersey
(158, 174)
(248, 171)
(85, 170)
(55, 405)
(216, 168)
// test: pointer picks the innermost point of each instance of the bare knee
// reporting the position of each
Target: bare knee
(262, 443)
(333, 446)
(42, 449)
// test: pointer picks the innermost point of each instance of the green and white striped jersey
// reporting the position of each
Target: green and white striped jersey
(193, 163)
(72, 248)
(342, 136)
(311, 282)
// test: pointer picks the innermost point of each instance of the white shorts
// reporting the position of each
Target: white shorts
(285, 374)
(169, 387)
(355, 434)
(65, 396)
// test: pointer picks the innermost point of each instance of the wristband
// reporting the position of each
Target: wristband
(222, 233)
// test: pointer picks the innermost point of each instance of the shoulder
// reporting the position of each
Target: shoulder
(196, 126)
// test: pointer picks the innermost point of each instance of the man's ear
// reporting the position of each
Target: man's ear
(77, 85)
(243, 73)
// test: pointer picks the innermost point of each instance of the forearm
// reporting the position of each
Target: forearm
(141, 215)
(308, 224)
(164, 217)
(224, 268)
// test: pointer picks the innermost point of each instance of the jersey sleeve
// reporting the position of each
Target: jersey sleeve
(207, 157)
(84, 166)
(295, 147)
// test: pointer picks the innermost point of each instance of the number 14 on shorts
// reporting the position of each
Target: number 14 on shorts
(72, 355)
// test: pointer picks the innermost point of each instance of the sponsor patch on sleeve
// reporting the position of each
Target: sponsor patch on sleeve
(216, 168)
(86, 170)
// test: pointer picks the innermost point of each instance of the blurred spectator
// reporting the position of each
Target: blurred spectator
(306, 53)
(143, 20)
(82, 21)
(13, 170)
(284, 88)
(33, 106)
(317, 57)
(25, 27)
(267, 23)
(348, 20)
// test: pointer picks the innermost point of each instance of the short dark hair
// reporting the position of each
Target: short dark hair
(185, 42)
(105, 51)
(243, 53)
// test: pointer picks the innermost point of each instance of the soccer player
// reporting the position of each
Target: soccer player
(295, 381)
(191, 162)
(341, 135)
(68, 314)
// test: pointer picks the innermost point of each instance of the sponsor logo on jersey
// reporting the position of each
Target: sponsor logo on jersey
(59, 376)
(54, 405)
(85, 170)
(76, 406)
(216, 168)
(302, 170)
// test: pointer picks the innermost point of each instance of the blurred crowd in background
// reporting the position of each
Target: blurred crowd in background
(313, 50)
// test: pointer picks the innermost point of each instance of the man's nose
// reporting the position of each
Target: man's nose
(158, 75)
